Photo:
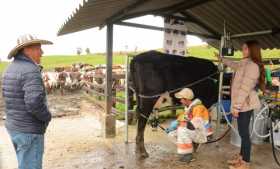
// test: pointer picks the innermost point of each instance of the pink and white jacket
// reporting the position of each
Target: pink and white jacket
(244, 96)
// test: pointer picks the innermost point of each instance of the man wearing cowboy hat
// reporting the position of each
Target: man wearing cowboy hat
(25, 99)
(191, 126)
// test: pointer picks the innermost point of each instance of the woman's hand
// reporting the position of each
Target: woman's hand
(235, 114)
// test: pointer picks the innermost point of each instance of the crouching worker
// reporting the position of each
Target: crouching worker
(191, 127)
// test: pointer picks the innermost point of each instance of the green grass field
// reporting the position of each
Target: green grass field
(208, 52)
(50, 62)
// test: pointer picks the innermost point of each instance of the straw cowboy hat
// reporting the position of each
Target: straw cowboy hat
(27, 40)
(185, 93)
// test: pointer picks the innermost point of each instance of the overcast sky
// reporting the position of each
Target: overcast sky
(43, 18)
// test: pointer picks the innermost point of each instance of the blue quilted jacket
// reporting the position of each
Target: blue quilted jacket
(25, 97)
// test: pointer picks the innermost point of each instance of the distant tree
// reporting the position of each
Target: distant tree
(88, 51)
(79, 51)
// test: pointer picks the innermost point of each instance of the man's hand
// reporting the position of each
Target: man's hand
(235, 114)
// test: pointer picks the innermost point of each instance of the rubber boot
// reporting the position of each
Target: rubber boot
(186, 158)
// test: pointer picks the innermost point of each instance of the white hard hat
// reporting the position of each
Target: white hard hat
(185, 93)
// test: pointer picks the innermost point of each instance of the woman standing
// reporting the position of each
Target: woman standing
(249, 74)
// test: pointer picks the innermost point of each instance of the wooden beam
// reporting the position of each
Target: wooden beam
(114, 76)
(96, 93)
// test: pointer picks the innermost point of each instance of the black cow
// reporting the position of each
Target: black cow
(153, 73)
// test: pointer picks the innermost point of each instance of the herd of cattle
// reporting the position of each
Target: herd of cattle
(76, 76)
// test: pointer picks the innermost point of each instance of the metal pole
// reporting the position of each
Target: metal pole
(156, 28)
(126, 98)
(259, 33)
(110, 123)
(221, 67)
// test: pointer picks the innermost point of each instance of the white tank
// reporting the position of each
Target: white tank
(261, 127)
(276, 135)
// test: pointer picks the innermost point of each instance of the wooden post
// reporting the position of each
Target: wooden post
(110, 122)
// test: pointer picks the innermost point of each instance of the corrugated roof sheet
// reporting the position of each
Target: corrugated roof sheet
(95, 13)
(241, 16)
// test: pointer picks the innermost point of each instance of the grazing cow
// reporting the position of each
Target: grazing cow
(59, 69)
(88, 76)
(153, 73)
(46, 82)
(75, 78)
(50, 80)
(87, 68)
(68, 69)
(62, 78)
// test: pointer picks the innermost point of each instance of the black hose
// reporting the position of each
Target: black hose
(164, 129)
(220, 138)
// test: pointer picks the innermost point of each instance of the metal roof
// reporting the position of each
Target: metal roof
(203, 16)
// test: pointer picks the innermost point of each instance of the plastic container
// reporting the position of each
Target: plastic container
(261, 127)
(227, 106)
(276, 137)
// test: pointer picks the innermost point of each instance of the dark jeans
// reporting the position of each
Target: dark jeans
(243, 121)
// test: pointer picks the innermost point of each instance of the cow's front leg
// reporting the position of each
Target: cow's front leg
(61, 90)
(140, 146)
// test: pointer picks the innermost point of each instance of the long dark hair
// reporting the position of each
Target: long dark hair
(255, 55)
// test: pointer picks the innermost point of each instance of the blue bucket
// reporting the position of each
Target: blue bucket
(227, 104)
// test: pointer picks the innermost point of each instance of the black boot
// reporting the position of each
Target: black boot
(186, 158)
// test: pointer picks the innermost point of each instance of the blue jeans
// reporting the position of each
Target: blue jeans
(29, 149)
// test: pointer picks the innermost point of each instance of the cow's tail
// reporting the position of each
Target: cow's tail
(131, 101)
